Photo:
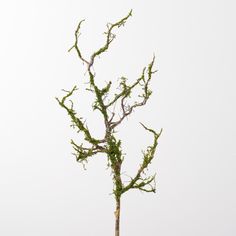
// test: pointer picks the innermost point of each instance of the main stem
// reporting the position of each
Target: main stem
(117, 217)
(118, 184)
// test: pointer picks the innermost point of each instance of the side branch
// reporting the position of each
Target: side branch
(77, 34)
(138, 182)
(109, 37)
(126, 91)
(82, 153)
(99, 93)
(77, 122)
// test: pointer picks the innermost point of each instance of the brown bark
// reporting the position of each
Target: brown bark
(117, 217)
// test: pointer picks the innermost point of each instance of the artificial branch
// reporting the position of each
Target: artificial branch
(109, 145)
(77, 34)
(76, 121)
(82, 153)
(110, 36)
(126, 92)
(138, 182)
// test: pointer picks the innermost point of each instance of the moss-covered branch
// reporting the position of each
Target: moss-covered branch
(99, 93)
(75, 46)
(82, 153)
(115, 160)
(77, 121)
(109, 145)
(126, 92)
(110, 36)
(138, 181)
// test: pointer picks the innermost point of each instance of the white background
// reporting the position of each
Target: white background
(44, 191)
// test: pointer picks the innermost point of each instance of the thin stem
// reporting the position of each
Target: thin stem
(117, 217)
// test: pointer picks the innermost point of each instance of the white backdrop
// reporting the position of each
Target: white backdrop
(44, 191)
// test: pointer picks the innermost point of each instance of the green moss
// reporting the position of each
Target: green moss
(109, 144)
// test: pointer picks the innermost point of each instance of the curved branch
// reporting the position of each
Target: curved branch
(138, 182)
(75, 120)
(110, 37)
(77, 34)
(127, 110)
